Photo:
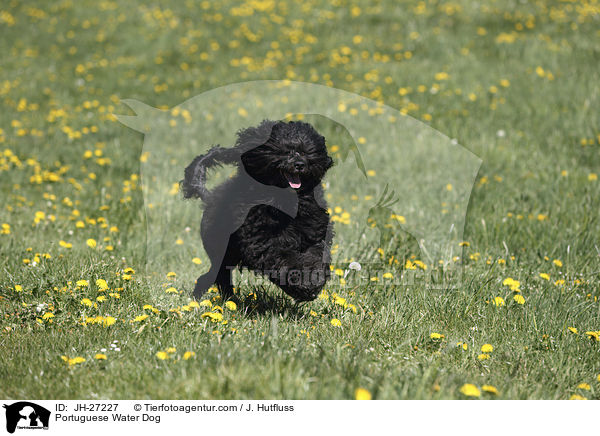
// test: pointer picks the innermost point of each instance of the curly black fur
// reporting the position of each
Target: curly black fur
(271, 217)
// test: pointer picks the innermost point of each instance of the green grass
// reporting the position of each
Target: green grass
(521, 92)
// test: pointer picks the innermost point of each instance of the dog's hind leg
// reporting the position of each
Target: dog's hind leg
(203, 283)
(222, 279)
(224, 282)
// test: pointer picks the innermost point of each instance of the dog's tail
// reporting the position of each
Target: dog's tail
(193, 184)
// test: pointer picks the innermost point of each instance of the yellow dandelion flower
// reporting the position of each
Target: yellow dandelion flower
(214, 316)
(487, 348)
(47, 315)
(100, 356)
(140, 318)
(102, 285)
(81, 283)
(511, 283)
(436, 336)
(577, 397)
(470, 390)
(86, 302)
(188, 355)
(573, 330)
(336, 322)
(545, 276)
(91, 243)
(171, 350)
(197, 260)
(162, 355)
(362, 394)
(171, 290)
(593, 335)
(231, 306)
(108, 321)
(519, 299)
(490, 389)
(340, 301)
(483, 356)
(76, 360)
(499, 301)
(584, 386)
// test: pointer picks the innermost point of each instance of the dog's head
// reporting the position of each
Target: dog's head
(294, 154)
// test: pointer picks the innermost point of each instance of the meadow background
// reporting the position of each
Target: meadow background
(516, 83)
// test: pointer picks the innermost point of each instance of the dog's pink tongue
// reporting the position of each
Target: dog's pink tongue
(293, 180)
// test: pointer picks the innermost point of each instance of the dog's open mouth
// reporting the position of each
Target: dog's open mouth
(293, 180)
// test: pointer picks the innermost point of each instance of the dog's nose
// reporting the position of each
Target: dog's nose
(299, 165)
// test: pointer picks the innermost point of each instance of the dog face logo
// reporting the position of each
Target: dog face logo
(26, 415)
(387, 165)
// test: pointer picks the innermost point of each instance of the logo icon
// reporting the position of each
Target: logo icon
(26, 415)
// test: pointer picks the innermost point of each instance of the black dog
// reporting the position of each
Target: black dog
(271, 217)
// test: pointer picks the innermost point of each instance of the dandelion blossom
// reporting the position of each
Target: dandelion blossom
(487, 348)
(519, 299)
(108, 321)
(499, 301)
(188, 355)
(490, 389)
(470, 390)
(362, 394)
(336, 322)
(162, 355)
(593, 335)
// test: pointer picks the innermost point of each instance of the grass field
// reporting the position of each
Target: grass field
(516, 83)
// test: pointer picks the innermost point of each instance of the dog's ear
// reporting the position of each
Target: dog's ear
(252, 137)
